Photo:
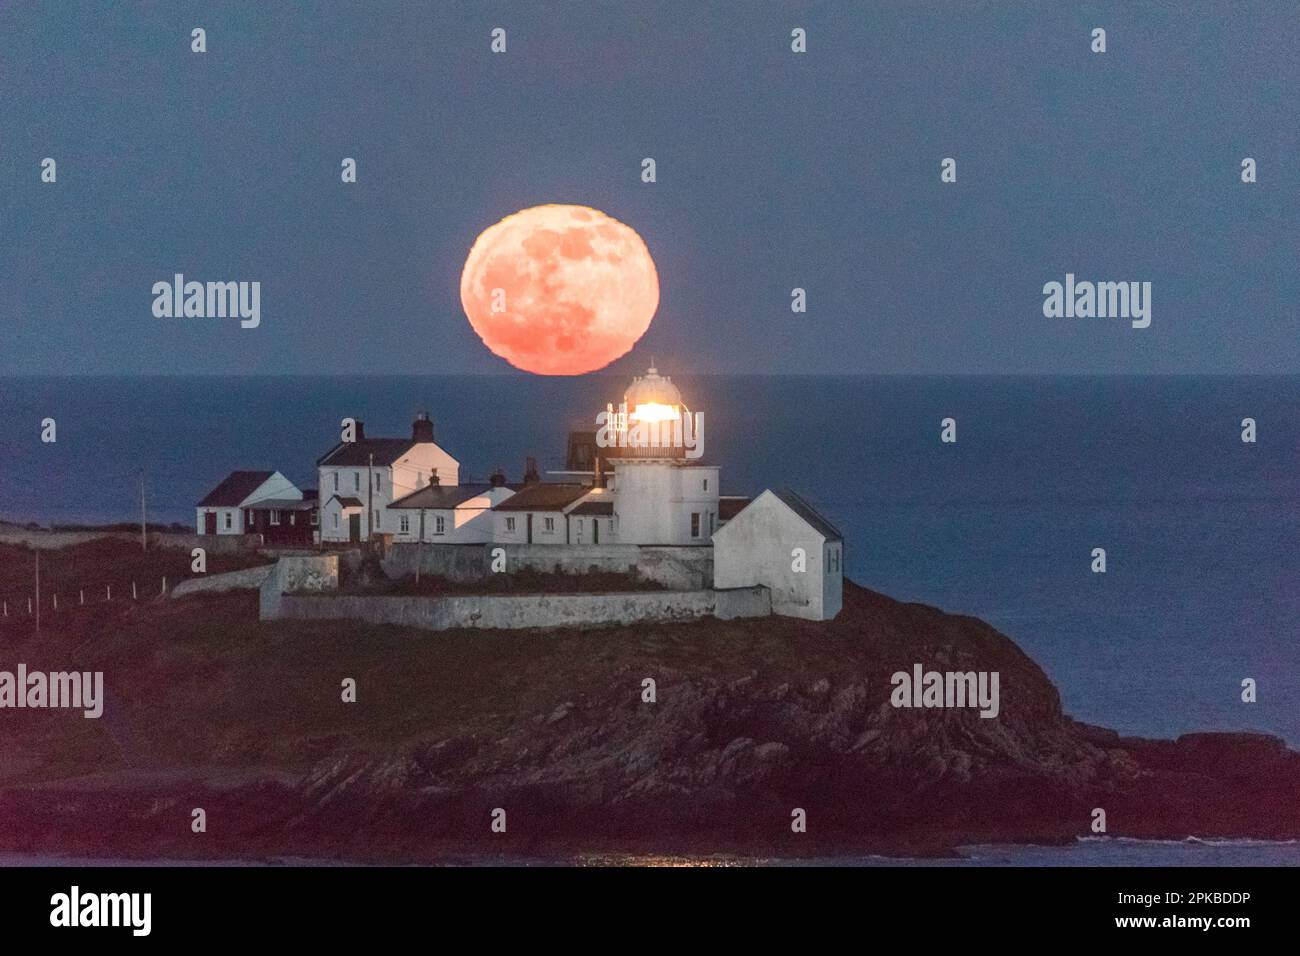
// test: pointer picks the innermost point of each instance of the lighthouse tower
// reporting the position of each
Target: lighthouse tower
(662, 494)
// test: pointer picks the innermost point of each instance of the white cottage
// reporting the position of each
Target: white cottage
(456, 514)
(224, 510)
(361, 478)
(538, 513)
(780, 541)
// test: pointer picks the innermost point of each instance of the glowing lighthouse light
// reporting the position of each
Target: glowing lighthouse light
(652, 420)
(653, 398)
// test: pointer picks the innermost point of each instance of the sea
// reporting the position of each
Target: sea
(1201, 530)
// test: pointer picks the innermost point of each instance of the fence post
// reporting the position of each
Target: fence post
(108, 592)
(132, 590)
(83, 595)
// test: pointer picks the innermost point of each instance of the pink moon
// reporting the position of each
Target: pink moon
(559, 290)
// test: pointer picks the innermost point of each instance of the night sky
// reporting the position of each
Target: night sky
(775, 170)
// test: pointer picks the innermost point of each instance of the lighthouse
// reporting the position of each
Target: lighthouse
(652, 421)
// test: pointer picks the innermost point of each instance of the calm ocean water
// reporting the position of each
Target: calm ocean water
(1202, 532)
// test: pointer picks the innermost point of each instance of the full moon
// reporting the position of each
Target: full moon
(559, 290)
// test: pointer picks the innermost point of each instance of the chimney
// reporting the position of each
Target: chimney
(531, 477)
(434, 480)
(421, 428)
(497, 479)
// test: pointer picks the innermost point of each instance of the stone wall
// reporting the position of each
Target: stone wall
(677, 568)
(514, 612)
(296, 574)
(233, 580)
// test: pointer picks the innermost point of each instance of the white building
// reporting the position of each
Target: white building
(591, 520)
(780, 541)
(361, 478)
(222, 510)
(456, 514)
(539, 513)
(665, 501)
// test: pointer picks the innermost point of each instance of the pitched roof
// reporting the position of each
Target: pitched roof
(594, 508)
(346, 502)
(437, 497)
(236, 486)
(355, 453)
(544, 497)
(284, 504)
(729, 507)
(809, 514)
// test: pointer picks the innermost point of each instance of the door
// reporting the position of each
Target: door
(210, 522)
(354, 526)
(530, 527)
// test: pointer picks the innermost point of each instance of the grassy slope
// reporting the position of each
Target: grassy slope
(752, 717)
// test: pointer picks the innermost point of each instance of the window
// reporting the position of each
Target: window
(356, 481)
(250, 516)
(404, 524)
(510, 524)
(378, 479)
(315, 516)
(706, 484)
(579, 527)
(229, 522)
(711, 522)
(695, 524)
(275, 516)
(336, 481)
(374, 520)
(336, 520)
(550, 524)
(293, 516)
(440, 524)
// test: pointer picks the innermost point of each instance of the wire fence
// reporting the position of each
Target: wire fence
(21, 608)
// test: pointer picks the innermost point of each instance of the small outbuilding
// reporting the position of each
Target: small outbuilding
(780, 541)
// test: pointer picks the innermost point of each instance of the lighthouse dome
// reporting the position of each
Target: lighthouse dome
(652, 389)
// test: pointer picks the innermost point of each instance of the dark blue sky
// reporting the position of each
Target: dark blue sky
(774, 171)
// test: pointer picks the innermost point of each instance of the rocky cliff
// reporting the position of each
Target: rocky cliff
(209, 708)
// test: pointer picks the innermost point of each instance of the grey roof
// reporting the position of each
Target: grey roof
(284, 504)
(234, 488)
(731, 505)
(544, 497)
(357, 453)
(435, 497)
(346, 502)
(809, 514)
(593, 508)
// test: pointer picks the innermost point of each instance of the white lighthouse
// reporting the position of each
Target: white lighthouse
(663, 493)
